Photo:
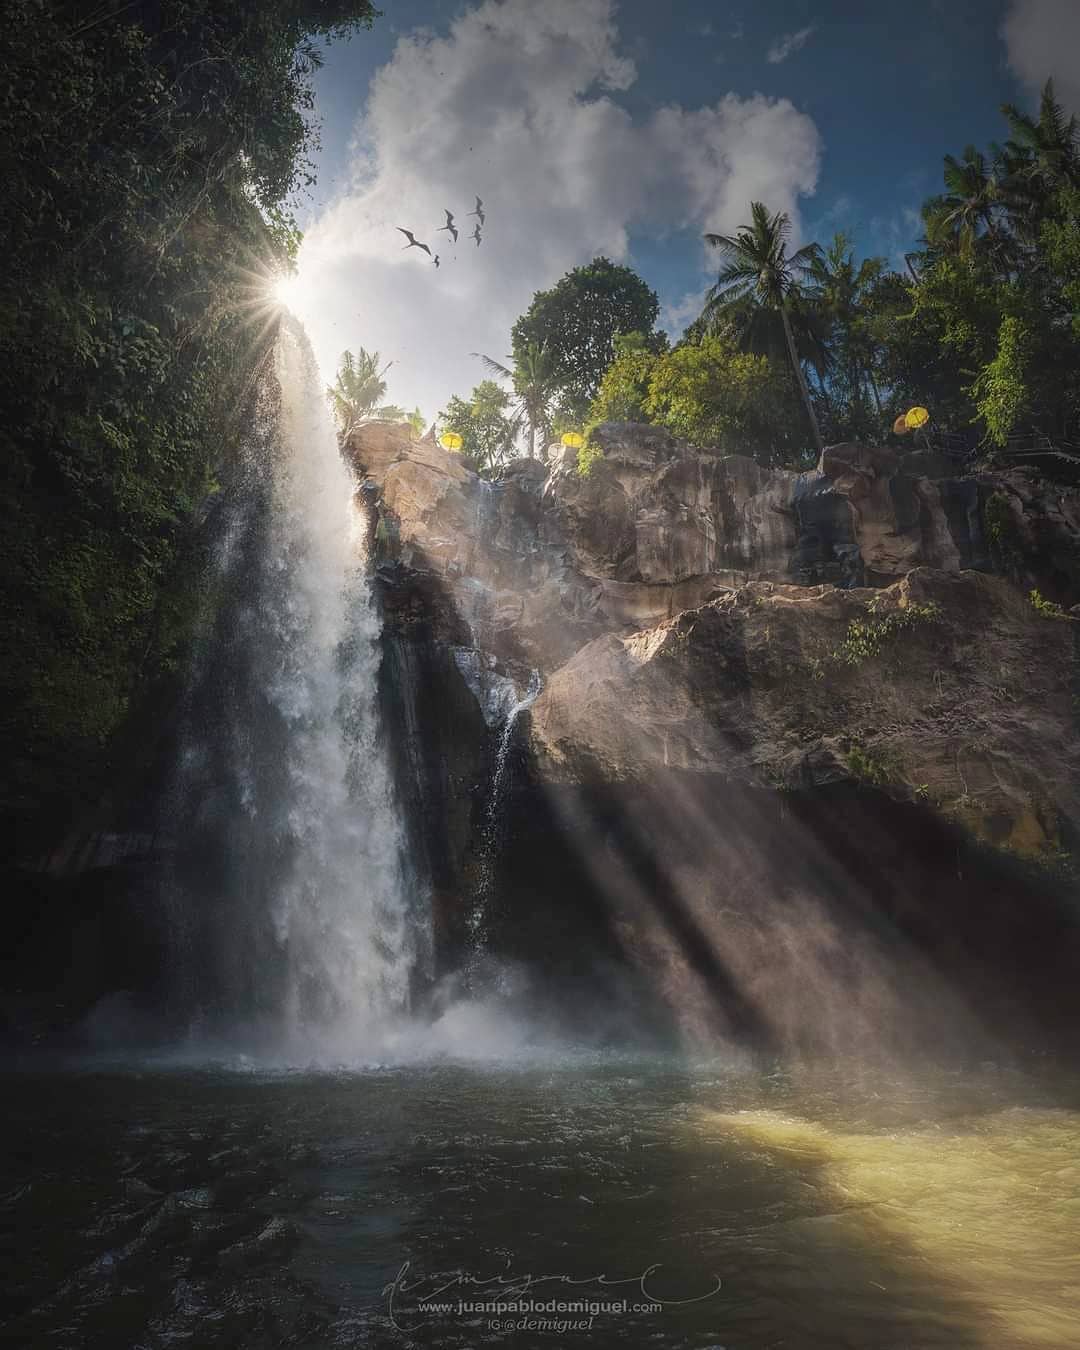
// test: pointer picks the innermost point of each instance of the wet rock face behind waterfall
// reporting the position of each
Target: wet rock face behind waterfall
(852, 646)
(694, 610)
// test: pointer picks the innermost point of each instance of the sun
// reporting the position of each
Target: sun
(286, 290)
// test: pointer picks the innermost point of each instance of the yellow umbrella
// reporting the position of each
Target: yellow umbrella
(916, 417)
(573, 439)
(450, 440)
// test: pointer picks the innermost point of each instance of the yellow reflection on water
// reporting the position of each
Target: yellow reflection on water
(989, 1208)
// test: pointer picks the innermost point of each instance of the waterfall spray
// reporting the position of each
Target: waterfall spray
(303, 912)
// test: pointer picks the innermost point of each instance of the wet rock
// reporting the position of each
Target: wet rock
(948, 688)
(374, 446)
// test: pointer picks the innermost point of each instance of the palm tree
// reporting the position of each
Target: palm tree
(354, 396)
(839, 290)
(1048, 150)
(970, 204)
(758, 276)
(533, 378)
(1041, 156)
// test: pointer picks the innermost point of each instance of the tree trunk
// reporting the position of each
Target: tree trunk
(796, 365)
(532, 439)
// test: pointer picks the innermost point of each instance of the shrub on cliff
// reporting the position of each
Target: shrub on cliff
(711, 394)
(486, 425)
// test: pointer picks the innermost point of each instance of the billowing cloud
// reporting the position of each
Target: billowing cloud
(515, 104)
(1042, 38)
(789, 44)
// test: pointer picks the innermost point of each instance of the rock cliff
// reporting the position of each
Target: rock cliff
(796, 735)
(867, 620)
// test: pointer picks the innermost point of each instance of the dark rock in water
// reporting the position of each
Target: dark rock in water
(273, 1239)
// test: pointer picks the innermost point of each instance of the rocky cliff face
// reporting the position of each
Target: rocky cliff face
(692, 610)
(857, 639)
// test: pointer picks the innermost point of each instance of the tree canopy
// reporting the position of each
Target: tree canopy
(486, 425)
(760, 279)
(576, 323)
(149, 151)
(710, 393)
(356, 394)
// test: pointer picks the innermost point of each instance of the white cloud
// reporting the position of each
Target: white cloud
(1042, 38)
(895, 235)
(515, 104)
(676, 315)
(789, 44)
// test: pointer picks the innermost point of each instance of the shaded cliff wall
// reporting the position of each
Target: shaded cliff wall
(831, 921)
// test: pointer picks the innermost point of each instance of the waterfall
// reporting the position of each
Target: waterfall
(489, 841)
(292, 904)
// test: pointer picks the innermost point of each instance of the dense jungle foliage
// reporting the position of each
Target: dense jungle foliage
(798, 347)
(149, 152)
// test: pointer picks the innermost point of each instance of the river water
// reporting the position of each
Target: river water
(173, 1203)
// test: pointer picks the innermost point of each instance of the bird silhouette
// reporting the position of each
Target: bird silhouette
(449, 228)
(476, 234)
(435, 260)
(413, 241)
(479, 211)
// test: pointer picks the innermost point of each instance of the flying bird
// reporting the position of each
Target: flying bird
(476, 234)
(479, 211)
(449, 228)
(413, 241)
(435, 260)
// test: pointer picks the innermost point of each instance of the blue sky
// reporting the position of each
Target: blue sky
(590, 126)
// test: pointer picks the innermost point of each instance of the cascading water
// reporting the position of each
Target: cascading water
(291, 895)
(489, 843)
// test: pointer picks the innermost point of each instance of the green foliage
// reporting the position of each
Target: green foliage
(715, 395)
(867, 638)
(587, 458)
(878, 769)
(761, 284)
(149, 152)
(624, 389)
(1047, 608)
(355, 395)
(485, 423)
(576, 323)
(1000, 390)
(535, 384)
(1002, 531)
(712, 394)
(839, 290)
(1060, 246)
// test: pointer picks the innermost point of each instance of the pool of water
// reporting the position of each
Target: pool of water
(461, 1205)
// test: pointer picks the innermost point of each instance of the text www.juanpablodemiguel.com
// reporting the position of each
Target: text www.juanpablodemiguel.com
(538, 1314)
